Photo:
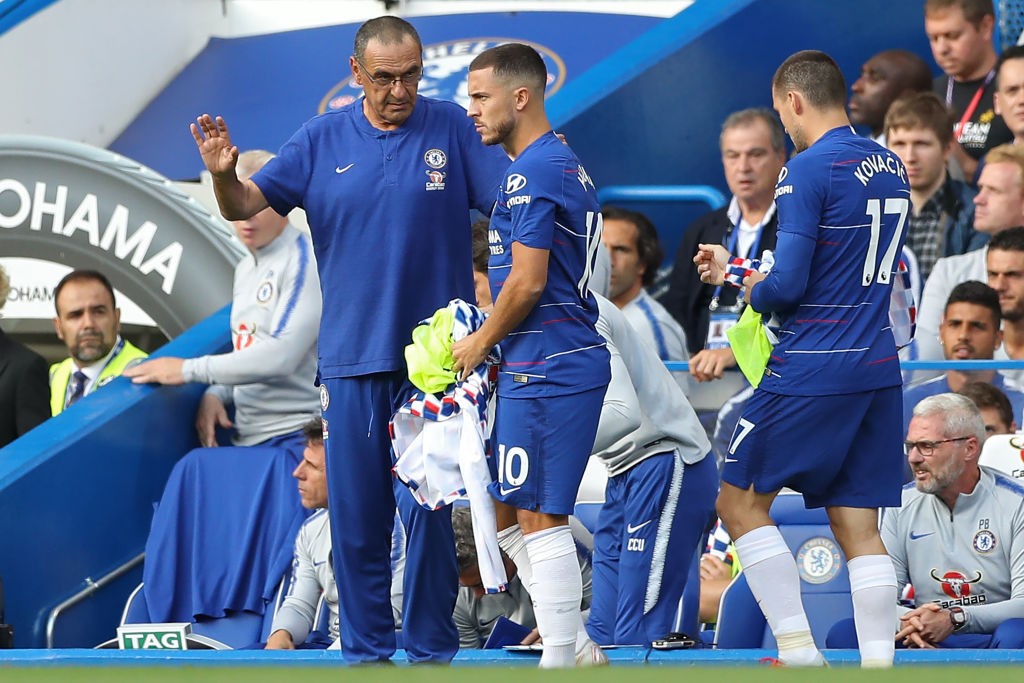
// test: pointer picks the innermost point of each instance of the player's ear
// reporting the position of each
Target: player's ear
(796, 102)
(522, 98)
(356, 73)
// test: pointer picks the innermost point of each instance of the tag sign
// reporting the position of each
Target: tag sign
(153, 636)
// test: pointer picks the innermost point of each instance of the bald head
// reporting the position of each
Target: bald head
(885, 77)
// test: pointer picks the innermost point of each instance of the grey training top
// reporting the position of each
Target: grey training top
(643, 390)
(972, 556)
(275, 317)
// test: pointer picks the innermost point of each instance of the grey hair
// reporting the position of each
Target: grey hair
(961, 416)
(746, 117)
(387, 30)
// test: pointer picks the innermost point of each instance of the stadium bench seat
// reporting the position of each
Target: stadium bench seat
(1004, 452)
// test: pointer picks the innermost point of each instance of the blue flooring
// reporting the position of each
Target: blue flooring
(624, 656)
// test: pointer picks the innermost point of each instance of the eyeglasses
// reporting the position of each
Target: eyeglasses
(388, 81)
(927, 448)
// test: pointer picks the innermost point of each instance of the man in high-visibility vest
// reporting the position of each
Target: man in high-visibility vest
(89, 323)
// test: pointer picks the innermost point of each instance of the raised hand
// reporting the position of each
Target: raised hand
(711, 260)
(214, 143)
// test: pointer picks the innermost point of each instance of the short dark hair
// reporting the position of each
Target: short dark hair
(388, 30)
(481, 245)
(1013, 52)
(979, 294)
(83, 275)
(314, 431)
(974, 10)
(816, 76)
(986, 395)
(746, 117)
(921, 110)
(648, 246)
(516, 63)
(465, 546)
(1011, 239)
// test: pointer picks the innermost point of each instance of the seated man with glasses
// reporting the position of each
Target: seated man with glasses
(958, 538)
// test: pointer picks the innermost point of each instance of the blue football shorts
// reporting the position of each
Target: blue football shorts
(841, 450)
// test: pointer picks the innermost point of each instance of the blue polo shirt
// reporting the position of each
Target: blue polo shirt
(389, 213)
(547, 201)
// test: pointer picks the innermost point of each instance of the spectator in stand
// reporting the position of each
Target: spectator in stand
(1005, 262)
(883, 78)
(1009, 99)
(960, 33)
(993, 405)
(998, 205)
(919, 129)
(24, 385)
(969, 331)
(753, 152)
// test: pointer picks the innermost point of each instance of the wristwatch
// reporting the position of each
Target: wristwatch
(957, 617)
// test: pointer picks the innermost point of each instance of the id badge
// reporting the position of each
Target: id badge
(721, 321)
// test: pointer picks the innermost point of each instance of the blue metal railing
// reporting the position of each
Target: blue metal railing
(662, 193)
(942, 365)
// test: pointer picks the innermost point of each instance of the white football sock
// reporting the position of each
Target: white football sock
(873, 589)
(773, 579)
(511, 541)
(557, 590)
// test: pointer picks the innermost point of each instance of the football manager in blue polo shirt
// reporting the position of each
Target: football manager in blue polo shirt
(387, 184)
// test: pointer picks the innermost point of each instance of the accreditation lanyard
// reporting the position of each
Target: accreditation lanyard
(733, 242)
(975, 101)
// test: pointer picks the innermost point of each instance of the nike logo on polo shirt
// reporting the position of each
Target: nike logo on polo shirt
(633, 529)
(729, 460)
(914, 537)
(317, 564)
(339, 169)
(504, 491)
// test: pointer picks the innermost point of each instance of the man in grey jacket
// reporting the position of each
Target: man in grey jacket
(957, 539)
(275, 313)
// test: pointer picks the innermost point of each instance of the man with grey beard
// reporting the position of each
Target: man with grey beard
(958, 538)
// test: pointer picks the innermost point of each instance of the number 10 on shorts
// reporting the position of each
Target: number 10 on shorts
(514, 461)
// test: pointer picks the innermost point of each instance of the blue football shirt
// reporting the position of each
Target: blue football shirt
(843, 204)
(389, 213)
(547, 201)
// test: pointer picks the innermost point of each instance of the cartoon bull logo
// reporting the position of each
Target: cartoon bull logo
(955, 584)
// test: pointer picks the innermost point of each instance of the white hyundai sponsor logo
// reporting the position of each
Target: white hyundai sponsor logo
(514, 183)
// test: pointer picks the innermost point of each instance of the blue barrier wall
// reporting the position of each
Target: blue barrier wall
(77, 496)
(650, 113)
